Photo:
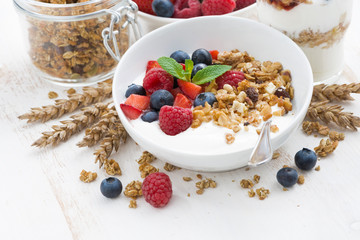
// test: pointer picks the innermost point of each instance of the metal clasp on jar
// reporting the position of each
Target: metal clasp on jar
(129, 14)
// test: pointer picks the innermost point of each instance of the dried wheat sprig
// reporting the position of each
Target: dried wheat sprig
(110, 142)
(98, 131)
(333, 113)
(72, 126)
(334, 92)
(89, 96)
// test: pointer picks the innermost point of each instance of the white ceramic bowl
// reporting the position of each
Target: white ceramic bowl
(150, 22)
(221, 33)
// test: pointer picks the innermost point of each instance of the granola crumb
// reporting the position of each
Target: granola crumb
(187, 179)
(52, 95)
(87, 177)
(169, 167)
(188, 194)
(317, 168)
(246, 183)
(251, 193)
(301, 179)
(146, 157)
(233, 180)
(262, 193)
(247, 169)
(112, 168)
(285, 166)
(71, 91)
(133, 190)
(285, 189)
(276, 155)
(199, 176)
(336, 136)
(326, 147)
(200, 191)
(204, 184)
(146, 169)
(133, 204)
(274, 128)
(230, 138)
(256, 178)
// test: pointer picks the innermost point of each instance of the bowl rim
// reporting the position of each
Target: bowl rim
(296, 120)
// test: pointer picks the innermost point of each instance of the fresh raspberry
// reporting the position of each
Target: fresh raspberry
(156, 79)
(157, 189)
(217, 7)
(145, 6)
(230, 77)
(174, 120)
(187, 9)
(243, 3)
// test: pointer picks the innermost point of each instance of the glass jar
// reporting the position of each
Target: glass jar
(76, 42)
(317, 26)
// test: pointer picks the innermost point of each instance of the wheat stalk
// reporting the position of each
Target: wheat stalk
(335, 92)
(70, 127)
(89, 96)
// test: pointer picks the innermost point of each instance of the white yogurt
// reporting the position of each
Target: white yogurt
(318, 16)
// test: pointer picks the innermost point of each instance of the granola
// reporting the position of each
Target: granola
(112, 167)
(133, 190)
(326, 147)
(87, 177)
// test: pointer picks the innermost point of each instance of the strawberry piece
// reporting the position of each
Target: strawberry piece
(217, 7)
(145, 6)
(174, 120)
(138, 101)
(175, 91)
(156, 79)
(130, 111)
(182, 101)
(243, 3)
(189, 89)
(214, 54)
(152, 64)
(230, 77)
(187, 9)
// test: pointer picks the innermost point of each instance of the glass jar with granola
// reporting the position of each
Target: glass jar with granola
(317, 26)
(66, 40)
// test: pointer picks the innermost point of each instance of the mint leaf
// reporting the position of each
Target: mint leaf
(172, 67)
(210, 73)
(189, 65)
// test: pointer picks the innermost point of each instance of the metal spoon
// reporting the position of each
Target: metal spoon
(263, 151)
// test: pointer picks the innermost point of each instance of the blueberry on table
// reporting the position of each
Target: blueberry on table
(111, 187)
(135, 89)
(163, 8)
(287, 177)
(305, 159)
(150, 116)
(161, 98)
(201, 55)
(197, 68)
(208, 97)
(180, 56)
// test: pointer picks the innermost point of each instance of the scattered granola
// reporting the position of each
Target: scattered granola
(169, 167)
(133, 190)
(204, 184)
(146, 169)
(199, 176)
(262, 193)
(310, 127)
(133, 204)
(52, 95)
(285, 189)
(275, 155)
(230, 138)
(246, 183)
(256, 178)
(317, 168)
(87, 177)
(146, 157)
(112, 168)
(326, 147)
(336, 136)
(187, 179)
(71, 91)
(301, 179)
(251, 193)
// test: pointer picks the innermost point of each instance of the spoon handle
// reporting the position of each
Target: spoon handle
(263, 151)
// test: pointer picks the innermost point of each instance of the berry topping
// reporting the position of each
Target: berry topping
(135, 89)
(197, 68)
(145, 6)
(163, 8)
(152, 64)
(182, 101)
(281, 92)
(150, 116)
(252, 93)
(187, 9)
(138, 101)
(201, 56)
(156, 79)
(111, 187)
(189, 89)
(287, 177)
(230, 77)
(157, 189)
(180, 56)
(217, 7)
(305, 159)
(174, 120)
(243, 3)
(175, 91)
(130, 111)
(204, 97)
(161, 98)
(214, 54)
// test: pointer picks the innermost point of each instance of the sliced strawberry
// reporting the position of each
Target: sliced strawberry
(182, 101)
(214, 54)
(175, 91)
(152, 64)
(189, 89)
(138, 101)
(130, 111)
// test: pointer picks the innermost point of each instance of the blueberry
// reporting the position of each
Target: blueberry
(150, 116)
(201, 56)
(163, 8)
(197, 68)
(161, 98)
(111, 187)
(135, 89)
(180, 56)
(287, 177)
(204, 97)
(305, 159)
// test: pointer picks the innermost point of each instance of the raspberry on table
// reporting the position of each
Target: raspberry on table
(187, 8)
(217, 7)
(156, 79)
(157, 189)
(230, 77)
(174, 120)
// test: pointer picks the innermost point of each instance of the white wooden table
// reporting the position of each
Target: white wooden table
(43, 198)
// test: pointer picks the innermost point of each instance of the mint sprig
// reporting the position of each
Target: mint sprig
(203, 76)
